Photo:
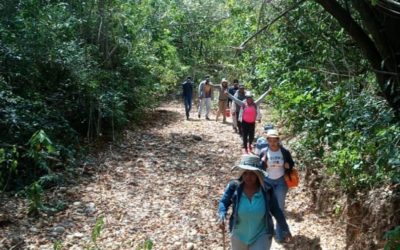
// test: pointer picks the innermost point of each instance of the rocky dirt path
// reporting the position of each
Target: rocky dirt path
(161, 183)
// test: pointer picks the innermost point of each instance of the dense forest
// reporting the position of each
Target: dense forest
(74, 74)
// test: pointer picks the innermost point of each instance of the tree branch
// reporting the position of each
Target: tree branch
(242, 46)
(354, 30)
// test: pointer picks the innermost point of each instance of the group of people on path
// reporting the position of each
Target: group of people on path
(244, 109)
(258, 192)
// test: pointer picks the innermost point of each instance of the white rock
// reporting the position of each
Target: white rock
(190, 246)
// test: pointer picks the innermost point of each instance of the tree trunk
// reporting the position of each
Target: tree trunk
(381, 51)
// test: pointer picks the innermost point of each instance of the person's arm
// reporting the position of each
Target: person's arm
(236, 100)
(226, 202)
(287, 157)
(259, 115)
(258, 101)
(217, 86)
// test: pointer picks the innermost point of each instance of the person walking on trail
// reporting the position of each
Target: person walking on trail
(232, 90)
(205, 95)
(277, 160)
(248, 114)
(253, 202)
(187, 93)
(222, 99)
(237, 125)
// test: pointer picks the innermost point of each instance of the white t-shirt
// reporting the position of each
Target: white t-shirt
(275, 164)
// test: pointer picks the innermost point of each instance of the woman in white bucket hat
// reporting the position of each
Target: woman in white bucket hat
(250, 224)
(277, 161)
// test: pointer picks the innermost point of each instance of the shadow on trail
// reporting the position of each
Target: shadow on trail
(158, 118)
(296, 216)
(301, 242)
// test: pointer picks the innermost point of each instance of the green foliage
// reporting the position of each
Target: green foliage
(8, 165)
(323, 93)
(57, 245)
(79, 70)
(97, 230)
(34, 193)
(147, 245)
(393, 239)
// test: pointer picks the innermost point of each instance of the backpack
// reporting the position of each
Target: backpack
(261, 143)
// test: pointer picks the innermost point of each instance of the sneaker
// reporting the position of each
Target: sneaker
(199, 116)
(207, 118)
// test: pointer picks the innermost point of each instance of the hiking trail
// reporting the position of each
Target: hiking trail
(161, 182)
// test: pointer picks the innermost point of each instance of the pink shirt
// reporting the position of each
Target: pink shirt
(249, 114)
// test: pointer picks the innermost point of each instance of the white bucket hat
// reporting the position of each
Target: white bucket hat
(248, 94)
(272, 133)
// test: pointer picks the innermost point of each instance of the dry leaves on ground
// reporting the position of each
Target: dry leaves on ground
(162, 183)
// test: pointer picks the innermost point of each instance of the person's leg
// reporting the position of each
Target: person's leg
(189, 104)
(219, 110)
(239, 124)
(224, 106)
(252, 128)
(208, 107)
(185, 101)
(201, 103)
(234, 121)
(280, 190)
(245, 131)
(262, 243)
(236, 244)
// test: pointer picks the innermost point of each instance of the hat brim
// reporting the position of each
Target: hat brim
(259, 173)
(243, 168)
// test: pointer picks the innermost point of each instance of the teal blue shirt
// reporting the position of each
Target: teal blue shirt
(251, 217)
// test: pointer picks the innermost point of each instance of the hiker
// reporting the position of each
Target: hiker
(253, 203)
(248, 114)
(205, 95)
(232, 90)
(237, 125)
(187, 93)
(222, 99)
(261, 141)
(277, 160)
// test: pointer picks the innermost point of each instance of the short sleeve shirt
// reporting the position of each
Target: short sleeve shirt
(275, 164)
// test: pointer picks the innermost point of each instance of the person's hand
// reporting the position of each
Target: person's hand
(259, 121)
(221, 223)
(288, 238)
(264, 158)
(233, 113)
(286, 165)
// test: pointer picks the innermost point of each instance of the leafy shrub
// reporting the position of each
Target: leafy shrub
(393, 239)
